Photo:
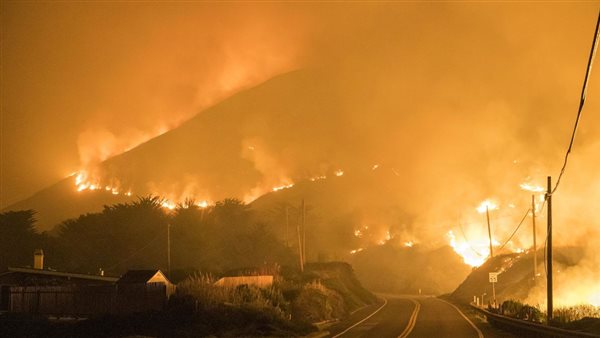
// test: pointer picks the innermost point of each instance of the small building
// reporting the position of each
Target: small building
(148, 278)
(143, 290)
(54, 292)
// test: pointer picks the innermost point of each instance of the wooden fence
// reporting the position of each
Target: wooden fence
(86, 301)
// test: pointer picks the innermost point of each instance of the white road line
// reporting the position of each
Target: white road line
(412, 321)
(367, 317)
(465, 317)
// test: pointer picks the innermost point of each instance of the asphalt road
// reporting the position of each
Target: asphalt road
(408, 316)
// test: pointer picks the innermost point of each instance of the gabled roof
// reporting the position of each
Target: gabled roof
(68, 275)
(141, 276)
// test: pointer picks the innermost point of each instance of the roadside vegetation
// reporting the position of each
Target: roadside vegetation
(579, 317)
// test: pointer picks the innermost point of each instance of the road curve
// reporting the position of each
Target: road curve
(408, 316)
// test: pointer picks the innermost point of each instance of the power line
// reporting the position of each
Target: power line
(581, 102)
(515, 231)
(136, 252)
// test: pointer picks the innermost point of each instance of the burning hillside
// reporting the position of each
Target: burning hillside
(389, 139)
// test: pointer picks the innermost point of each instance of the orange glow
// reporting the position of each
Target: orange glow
(358, 233)
(356, 250)
(203, 204)
(486, 205)
(387, 237)
(281, 187)
(168, 204)
(531, 187)
(473, 254)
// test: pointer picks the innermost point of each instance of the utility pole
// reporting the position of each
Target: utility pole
(534, 240)
(303, 231)
(169, 250)
(287, 225)
(299, 244)
(487, 214)
(549, 253)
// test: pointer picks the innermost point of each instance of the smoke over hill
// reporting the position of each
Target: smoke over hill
(414, 117)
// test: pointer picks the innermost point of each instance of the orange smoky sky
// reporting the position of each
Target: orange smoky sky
(84, 81)
(455, 89)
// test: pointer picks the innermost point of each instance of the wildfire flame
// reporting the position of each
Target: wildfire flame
(387, 237)
(486, 205)
(84, 181)
(473, 254)
(531, 187)
(339, 172)
(168, 204)
(286, 186)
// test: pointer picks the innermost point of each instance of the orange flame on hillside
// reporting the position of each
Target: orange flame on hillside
(473, 254)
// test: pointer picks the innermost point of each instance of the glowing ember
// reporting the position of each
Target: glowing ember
(203, 204)
(339, 172)
(317, 178)
(409, 244)
(375, 167)
(356, 250)
(486, 205)
(287, 186)
(358, 233)
(168, 205)
(531, 187)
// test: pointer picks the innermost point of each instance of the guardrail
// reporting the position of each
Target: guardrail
(530, 329)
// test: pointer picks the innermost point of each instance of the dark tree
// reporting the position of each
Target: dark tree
(18, 238)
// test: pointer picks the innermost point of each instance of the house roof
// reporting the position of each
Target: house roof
(67, 275)
(140, 276)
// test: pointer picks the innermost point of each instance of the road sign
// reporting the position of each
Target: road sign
(493, 277)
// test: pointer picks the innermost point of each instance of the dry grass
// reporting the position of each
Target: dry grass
(577, 312)
(208, 295)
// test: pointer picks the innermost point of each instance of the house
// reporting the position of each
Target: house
(47, 291)
(148, 278)
(55, 293)
(143, 290)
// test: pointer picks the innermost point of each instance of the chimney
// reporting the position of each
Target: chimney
(38, 259)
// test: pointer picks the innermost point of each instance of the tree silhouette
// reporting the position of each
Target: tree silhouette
(18, 238)
(120, 237)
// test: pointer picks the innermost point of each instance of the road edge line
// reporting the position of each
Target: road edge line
(463, 315)
(367, 317)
